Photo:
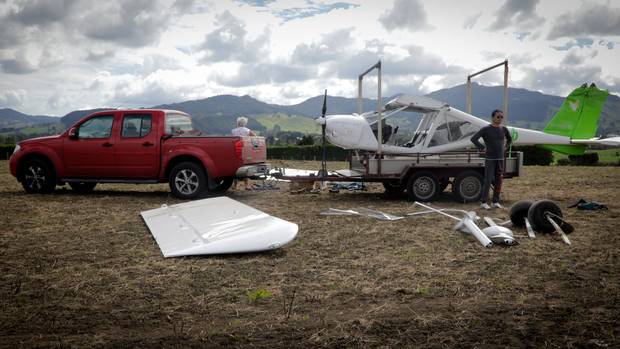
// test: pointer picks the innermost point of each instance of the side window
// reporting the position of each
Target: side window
(97, 127)
(136, 125)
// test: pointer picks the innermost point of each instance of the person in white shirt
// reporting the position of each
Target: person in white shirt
(242, 131)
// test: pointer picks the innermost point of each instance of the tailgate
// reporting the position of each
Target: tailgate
(254, 150)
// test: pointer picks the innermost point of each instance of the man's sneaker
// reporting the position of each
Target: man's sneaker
(485, 206)
(497, 205)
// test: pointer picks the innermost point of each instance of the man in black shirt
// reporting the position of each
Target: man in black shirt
(496, 140)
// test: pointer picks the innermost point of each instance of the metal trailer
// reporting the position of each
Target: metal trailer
(421, 176)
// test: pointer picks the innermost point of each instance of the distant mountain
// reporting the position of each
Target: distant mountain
(217, 115)
(76, 115)
(13, 118)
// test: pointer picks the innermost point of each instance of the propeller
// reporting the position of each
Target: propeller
(323, 170)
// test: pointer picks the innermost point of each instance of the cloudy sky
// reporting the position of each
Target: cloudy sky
(60, 55)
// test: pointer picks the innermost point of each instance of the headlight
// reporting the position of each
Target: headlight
(17, 148)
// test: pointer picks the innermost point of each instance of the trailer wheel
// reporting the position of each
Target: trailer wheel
(188, 180)
(393, 188)
(422, 186)
(518, 212)
(467, 186)
(537, 215)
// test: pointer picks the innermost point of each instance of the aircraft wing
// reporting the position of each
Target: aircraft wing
(612, 141)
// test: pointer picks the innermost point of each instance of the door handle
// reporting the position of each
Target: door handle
(148, 144)
(107, 144)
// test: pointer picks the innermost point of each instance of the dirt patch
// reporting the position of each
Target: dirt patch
(84, 271)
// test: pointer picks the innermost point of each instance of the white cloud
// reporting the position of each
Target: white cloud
(406, 14)
(589, 19)
(518, 13)
(12, 98)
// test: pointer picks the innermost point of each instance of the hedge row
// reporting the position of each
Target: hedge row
(6, 150)
(531, 155)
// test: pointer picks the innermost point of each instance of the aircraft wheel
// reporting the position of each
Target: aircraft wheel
(467, 186)
(422, 186)
(518, 213)
(537, 215)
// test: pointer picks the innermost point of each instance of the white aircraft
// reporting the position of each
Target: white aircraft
(444, 128)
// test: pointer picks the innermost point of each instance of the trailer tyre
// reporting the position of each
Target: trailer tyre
(537, 215)
(518, 213)
(422, 186)
(467, 186)
(188, 180)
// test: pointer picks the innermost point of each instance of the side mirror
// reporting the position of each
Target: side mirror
(73, 133)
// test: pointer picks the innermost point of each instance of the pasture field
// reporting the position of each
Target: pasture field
(84, 271)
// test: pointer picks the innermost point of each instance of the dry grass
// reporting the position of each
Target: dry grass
(84, 271)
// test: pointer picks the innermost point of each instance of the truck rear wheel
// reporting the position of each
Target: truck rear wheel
(222, 184)
(422, 186)
(38, 176)
(188, 180)
(467, 186)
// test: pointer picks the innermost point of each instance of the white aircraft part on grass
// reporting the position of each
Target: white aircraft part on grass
(216, 226)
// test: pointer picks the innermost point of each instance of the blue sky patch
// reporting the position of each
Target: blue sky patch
(580, 42)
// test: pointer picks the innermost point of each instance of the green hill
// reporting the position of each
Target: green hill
(289, 123)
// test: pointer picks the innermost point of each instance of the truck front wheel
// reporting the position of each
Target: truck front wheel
(422, 186)
(187, 180)
(38, 176)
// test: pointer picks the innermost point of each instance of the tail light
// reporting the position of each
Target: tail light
(239, 149)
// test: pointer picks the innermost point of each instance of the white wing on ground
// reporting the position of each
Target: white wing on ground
(216, 226)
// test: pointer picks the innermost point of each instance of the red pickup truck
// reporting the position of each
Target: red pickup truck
(137, 146)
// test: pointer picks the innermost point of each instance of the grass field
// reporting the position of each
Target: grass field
(84, 271)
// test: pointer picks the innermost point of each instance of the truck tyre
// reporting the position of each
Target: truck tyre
(537, 215)
(38, 176)
(467, 186)
(82, 187)
(222, 184)
(393, 188)
(422, 186)
(188, 180)
(518, 213)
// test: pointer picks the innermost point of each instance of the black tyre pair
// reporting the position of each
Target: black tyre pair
(425, 186)
(537, 213)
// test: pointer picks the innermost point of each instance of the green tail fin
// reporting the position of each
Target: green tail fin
(577, 118)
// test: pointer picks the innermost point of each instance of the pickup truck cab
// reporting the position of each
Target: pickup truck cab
(137, 146)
